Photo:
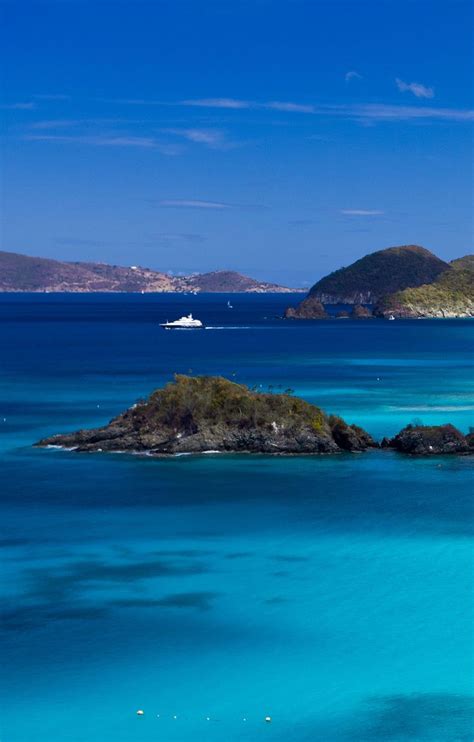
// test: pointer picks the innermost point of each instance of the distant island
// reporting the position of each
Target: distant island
(210, 414)
(22, 273)
(400, 282)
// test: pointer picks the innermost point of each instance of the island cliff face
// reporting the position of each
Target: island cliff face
(369, 279)
(204, 413)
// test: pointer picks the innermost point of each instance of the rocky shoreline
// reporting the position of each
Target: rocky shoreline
(207, 414)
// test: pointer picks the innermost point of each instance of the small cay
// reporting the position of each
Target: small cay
(430, 440)
(210, 413)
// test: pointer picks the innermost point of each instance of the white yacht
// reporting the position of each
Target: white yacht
(391, 317)
(183, 323)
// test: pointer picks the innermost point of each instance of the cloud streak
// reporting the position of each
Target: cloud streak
(352, 75)
(180, 237)
(52, 96)
(373, 112)
(369, 112)
(232, 103)
(418, 90)
(212, 138)
(362, 212)
(28, 106)
(56, 124)
(364, 112)
(107, 141)
(235, 104)
(190, 203)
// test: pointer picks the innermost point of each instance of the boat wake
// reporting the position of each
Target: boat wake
(231, 327)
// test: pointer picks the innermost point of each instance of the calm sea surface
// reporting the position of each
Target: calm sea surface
(334, 594)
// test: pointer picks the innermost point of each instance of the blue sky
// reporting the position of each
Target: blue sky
(279, 138)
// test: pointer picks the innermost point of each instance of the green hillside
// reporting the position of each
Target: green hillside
(451, 295)
(382, 272)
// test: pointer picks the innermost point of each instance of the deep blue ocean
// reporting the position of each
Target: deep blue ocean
(333, 593)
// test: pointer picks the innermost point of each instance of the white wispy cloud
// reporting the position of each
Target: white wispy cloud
(193, 203)
(180, 237)
(20, 106)
(218, 103)
(383, 112)
(363, 112)
(352, 75)
(212, 138)
(233, 103)
(52, 96)
(290, 107)
(418, 90)
(362, 212)
(368, 112)
(55, 124)
(107, 141)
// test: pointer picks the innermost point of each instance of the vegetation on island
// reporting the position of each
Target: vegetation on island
(197, 414)
(429, 440)
(451, 295)
(464, 263)
(379, 273)
(201, 413)
(309, 308)
(404, 281)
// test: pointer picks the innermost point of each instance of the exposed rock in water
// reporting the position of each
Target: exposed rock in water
(424, 440)
(205, 413)
(349, 437)
(361, 312)
(309, 308)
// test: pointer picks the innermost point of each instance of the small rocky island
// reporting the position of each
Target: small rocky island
(430, 440)
(203, 414)
(210, 413)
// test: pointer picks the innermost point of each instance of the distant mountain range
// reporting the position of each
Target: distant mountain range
(22, 273)
(406, 281)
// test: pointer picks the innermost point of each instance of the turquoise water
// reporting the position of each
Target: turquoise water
(334, 594)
